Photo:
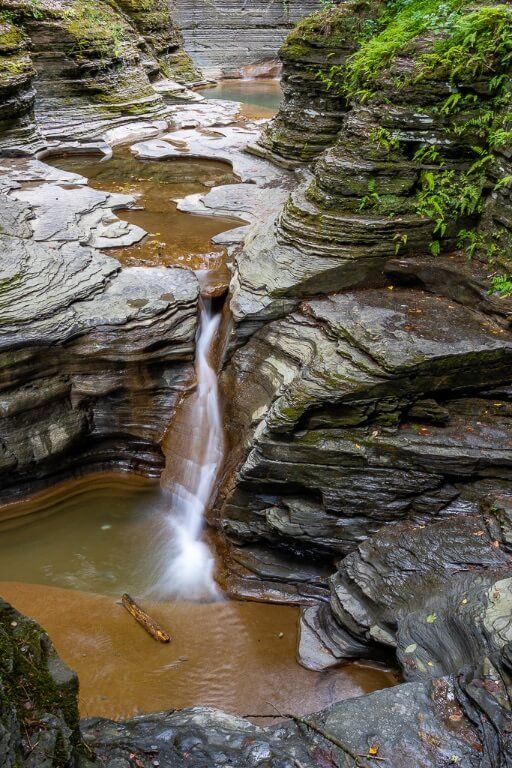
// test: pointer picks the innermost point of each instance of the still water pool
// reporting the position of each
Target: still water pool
(264, 94)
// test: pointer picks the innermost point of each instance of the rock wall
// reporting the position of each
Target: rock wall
(224, 38)
(312, 112)
(93, 358)
(73, 70)
(17, 95)
(365, 392)
(378, 191)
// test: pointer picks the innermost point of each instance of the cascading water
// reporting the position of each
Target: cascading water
(190, 483)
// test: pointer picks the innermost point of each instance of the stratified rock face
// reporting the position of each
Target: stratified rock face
(375, 420)
(17, 124)
(362, 409)
(312, 111)
(92, 359)
(164, 54)
(412, 171)
(94, 63)
(426, 591)
(225, 38)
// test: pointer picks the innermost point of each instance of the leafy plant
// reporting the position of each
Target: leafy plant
(372, 198)
(502, 284)
(445, 196)
(385, 139)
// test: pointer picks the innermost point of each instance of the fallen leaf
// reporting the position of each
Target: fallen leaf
(410, 648)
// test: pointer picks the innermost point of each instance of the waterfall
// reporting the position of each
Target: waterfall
(189, 482)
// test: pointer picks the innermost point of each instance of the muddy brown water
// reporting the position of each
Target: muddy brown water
(69, 553)
(235, 656)
(174, 238)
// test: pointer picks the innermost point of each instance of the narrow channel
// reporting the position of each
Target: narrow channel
(67, 554)
(196, 456)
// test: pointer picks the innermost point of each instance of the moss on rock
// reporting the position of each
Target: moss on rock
(38, 697)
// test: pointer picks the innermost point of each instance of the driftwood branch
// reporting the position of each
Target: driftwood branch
(151, 627)
(357, 758)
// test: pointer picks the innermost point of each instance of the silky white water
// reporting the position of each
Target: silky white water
(186, 560)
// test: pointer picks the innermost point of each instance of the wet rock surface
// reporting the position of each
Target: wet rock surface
(359, 206)
(347, 420)
(17, 95)
(215, 133)
(91, 355)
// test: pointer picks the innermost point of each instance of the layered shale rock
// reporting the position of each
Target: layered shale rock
(94, 65)
(437, 594)
(421, 165)
(362, 409)
(164, 54)
(91, 355)
(373, 424)
(17, 95)
(312, 111)
(230, 39)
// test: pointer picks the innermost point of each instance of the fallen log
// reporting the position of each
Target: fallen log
(145, 621)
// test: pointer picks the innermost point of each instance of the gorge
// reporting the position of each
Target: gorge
(258, 373)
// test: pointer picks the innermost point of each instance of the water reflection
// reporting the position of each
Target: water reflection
(174, 238)
(95, 534)
(265, 94)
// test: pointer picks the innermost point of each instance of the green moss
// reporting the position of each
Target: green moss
(11, 37)
(21, 10)
(26, 681)
(400, 22)
(140, 6)
(98, 30)
(15, 70)
(334, 28)
(479, 43)
(179, 66)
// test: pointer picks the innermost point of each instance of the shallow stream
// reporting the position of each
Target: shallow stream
(68, 554)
